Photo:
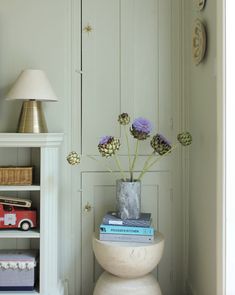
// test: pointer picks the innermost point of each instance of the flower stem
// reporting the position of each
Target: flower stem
(128, 147)
(106, 166)
(155, 161)
(119, 166)
(147, 161)
(134, 160)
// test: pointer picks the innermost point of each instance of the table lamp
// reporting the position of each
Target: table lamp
(33, 87)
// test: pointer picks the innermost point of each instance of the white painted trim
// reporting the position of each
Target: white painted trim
(30, 188)
(61, 288)
(230, 142)
(13, 234)
(49, 147)
(220, 280)
(30, 139)
(73, 284)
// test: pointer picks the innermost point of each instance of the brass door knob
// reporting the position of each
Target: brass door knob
(87, 207)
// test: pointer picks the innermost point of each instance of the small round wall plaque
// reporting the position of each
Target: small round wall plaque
(200, 4)
(199, 42)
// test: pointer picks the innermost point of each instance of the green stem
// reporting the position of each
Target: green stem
(106, 166)
(147, 161)
(134, 160)
(119, 166)
(128, 147)
(154, 162)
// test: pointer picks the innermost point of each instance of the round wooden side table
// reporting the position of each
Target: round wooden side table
(128, 267)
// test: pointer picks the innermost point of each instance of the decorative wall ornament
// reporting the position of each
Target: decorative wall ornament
(88, 29)
(199, 41)
(200, 4)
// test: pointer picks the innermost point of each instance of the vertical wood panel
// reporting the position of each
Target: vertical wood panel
(165, 67)
(101, 72)
(121, 66)
(139, 60)
(49, 211)
(143, 68)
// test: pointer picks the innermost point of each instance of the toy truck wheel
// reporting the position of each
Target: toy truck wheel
(25, 225)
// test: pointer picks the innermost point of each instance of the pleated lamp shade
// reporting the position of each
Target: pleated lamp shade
(33, 87)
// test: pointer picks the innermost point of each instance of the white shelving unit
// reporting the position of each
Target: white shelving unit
(13, 234)
(18, 188)
(42, 152)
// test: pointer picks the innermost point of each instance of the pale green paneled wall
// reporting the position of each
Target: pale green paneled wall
(33, 35)
(200, 85)
(37, 34)
(46, 34)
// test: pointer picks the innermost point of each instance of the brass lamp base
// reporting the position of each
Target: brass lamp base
(32, 118)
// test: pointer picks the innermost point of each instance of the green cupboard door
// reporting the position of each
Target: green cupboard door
(99, 192)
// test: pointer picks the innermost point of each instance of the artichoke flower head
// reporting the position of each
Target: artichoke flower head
(124, 119)
(141, 128)
(160, 144)
(185, 138)
(108, 145)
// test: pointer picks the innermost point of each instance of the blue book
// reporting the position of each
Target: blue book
(111, 218)
(126, 230)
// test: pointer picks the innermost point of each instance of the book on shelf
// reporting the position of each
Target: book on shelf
(126, 238)
(111, 218)
(126, 230)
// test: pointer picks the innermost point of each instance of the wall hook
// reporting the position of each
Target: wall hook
(88, 29)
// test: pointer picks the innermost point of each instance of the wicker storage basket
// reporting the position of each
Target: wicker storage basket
(16, 175)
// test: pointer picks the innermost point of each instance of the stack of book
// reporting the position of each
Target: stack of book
(130, 230)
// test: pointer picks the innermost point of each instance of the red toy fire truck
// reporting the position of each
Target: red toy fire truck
(14, 213)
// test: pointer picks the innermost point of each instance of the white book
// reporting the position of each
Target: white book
(126, 238)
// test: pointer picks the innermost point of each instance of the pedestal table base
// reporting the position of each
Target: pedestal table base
(109, 284)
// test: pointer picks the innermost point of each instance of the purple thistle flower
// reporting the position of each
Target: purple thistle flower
(141, 128)
(142, 125)
(105, 139)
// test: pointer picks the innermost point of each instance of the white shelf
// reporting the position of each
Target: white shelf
(19, 188)
(13, 234)
(45, 157)
(30, 139)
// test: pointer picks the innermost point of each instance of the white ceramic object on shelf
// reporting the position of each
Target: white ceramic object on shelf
(198, 42)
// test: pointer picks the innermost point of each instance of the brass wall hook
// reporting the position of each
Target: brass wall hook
(88, 28)
(87, 207)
